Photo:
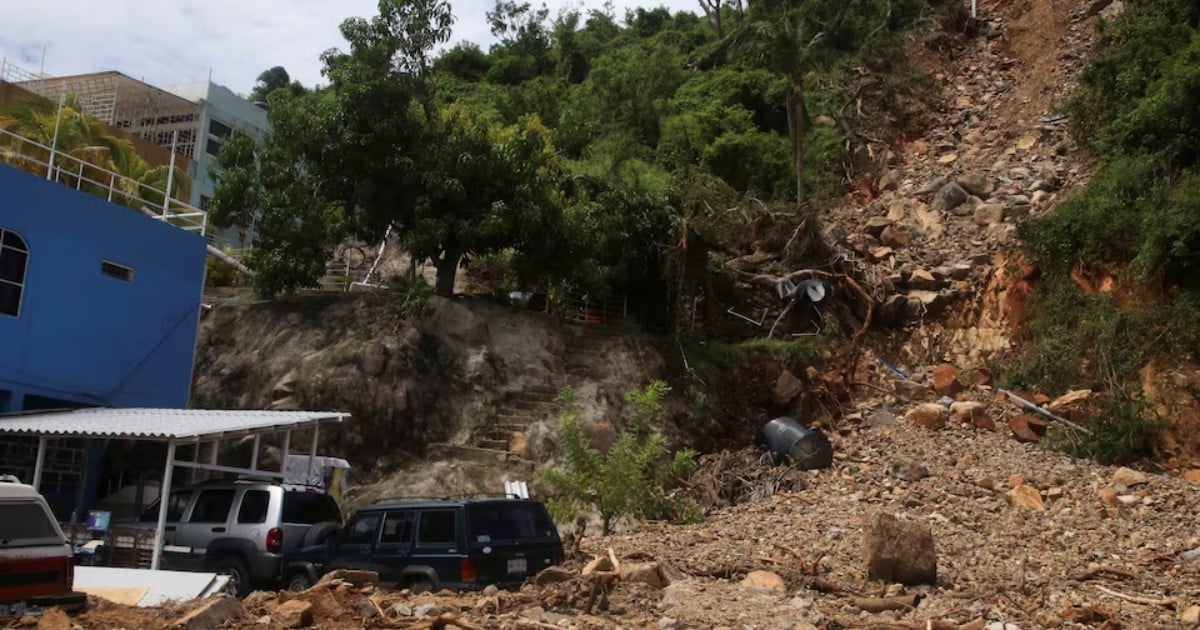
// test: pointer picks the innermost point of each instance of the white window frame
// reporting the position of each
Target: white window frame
(24, 271)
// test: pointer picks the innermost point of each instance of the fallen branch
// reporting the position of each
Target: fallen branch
(615, 563)
(1137, 599)
(881, 604)
(1096, 572)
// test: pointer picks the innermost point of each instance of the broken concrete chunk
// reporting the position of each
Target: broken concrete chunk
(213, 613)
(294, 614)
(899, 550)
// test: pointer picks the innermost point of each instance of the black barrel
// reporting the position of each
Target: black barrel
(793, 443)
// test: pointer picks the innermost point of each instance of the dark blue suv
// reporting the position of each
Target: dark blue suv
(427, 545)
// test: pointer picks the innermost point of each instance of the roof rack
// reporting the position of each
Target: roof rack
(447, 497)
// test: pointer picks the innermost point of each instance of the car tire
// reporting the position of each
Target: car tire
(239, 576)
(299, 581)
(420, 585)
(318, 534)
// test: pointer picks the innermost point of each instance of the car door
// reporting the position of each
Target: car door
(209, 519)
(357, 541)
(394, 551)
(437, 544)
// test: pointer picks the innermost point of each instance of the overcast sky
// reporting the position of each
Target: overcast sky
(178, 41)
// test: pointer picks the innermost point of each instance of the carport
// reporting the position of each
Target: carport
(175, 427)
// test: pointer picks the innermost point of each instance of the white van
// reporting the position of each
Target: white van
(36, 567)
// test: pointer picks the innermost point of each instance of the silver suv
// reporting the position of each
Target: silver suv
(242, 528)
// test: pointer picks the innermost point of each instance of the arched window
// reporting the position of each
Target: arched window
(14, 256)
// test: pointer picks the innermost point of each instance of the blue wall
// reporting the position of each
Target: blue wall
(86, 338)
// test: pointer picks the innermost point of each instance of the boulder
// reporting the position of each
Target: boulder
(1128, 477)
(294, 614)
(211, 613)
(899, 550)
(787, 387)
(1027, 497)
(989, 213)
(894, 237)
(975, 183)
(552, 575)
(945, 380)
(949, 197)
(928, 415)
(922, 280)
(1027, 428)
(763, 581)
(643, 572)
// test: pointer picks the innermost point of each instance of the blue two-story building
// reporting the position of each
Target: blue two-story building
(99, 307)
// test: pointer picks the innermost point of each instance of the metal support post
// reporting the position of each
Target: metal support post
(164, 500)
(196, 459)
(254, 455)
(287, 442)
(39, 463)
(170, 173)
(62, 100)
(312, 453)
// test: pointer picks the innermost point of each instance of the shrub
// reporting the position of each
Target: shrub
(1121, 433)
(411, 297)
(634, 479)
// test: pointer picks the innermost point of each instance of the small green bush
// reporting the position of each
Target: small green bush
(634, 479)
(411, 298)
(1120, 434)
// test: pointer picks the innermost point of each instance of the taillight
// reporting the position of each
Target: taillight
(275, 540)
(469, 573)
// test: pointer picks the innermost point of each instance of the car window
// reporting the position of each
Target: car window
(364, 530)
(508, 521)
(398, 527)
(437, 527)
(309, 508)
(254, 506)
(212, 506)
(26, 524)
(175, 507)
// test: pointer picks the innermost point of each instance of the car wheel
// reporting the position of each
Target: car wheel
(422, 585)
(239, 577)
(318, 534)
(299, 581)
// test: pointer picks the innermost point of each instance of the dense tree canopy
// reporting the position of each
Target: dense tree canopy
(575, 144)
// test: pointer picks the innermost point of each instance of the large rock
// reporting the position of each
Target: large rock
(928, 415)
(945, 380)
(899, 550)
(975, 183)
(643, 572)
(989, 213)
(787, 387)
(211, 614)
(763, 581)
(552, 575)
(1129, 478)
(1027, 428)
(294, 614)
(949, 197)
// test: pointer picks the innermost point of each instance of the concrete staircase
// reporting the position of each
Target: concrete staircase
(502, 439)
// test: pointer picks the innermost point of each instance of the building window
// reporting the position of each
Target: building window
(114, 270)
(204, 201)
(219, 129)
(14, 258)
(214, 147)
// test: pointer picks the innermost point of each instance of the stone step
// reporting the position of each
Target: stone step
(477, 454)
(535, 406)
(521, 419)
(500, 444)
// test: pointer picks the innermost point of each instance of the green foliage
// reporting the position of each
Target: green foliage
(412, 298)
(219, 274)
(708, 360)
(633, 479)
(1119, 435)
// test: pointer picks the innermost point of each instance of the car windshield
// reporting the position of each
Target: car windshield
(487, 522)
(309, 508)
(26, 524)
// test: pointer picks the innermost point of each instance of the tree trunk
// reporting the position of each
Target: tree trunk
(447, 270)
(796, 127)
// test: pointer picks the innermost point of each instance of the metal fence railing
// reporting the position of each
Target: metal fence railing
(68, 170)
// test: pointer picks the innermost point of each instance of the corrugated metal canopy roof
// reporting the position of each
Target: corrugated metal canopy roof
(160, 424)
